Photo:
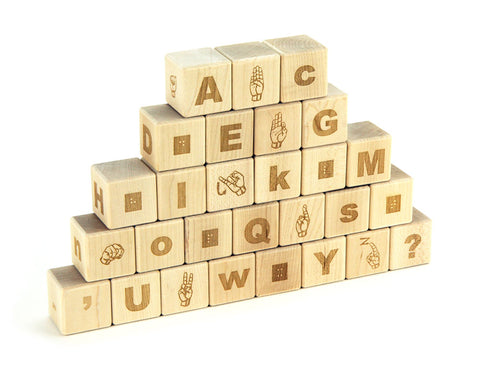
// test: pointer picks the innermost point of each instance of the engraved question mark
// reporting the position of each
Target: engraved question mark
(417, 239)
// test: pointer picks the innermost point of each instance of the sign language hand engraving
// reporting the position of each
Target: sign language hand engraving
(278, 131)
(112, 252)
(235, 182)
(256, 84)
(186, 292)
(173, 85)
(373, 258)
(303, 222)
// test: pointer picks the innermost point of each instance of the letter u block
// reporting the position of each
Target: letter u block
(198, 82)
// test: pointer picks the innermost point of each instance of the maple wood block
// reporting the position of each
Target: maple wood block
(181, 193)
(391, 202)
(99, 253)
(323, 261)
(184, 288)
(170, 141)
(324, 168)
(278, 270)
(303, 65)
(75, 305)
(368, 158)
(347, 211)
(255, 74)
(136, 297)
(278, 128)
(277, 176)
(324, 120)
(123, 193)
(159, 245)
(367, 253)
(198, 82)
(232, 279)
(410, 244)
(255, 227)
(229, 135)
(230, 184)
(208, 236)
(302, 219)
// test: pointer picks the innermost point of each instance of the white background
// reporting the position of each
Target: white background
(73, 76)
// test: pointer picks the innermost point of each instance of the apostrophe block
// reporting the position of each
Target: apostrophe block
(123, 193)
(198, 82)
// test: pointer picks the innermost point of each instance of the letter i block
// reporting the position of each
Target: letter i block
(369, 150)
(100, 253)
(169, 141)
(198, 82)
(75, 305)
(124, 193)
(303, 65)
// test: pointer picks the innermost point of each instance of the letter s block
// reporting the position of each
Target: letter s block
(198, 82)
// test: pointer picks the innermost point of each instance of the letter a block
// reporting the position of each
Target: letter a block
(198, 82)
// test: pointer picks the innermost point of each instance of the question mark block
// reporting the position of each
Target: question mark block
(410, 244)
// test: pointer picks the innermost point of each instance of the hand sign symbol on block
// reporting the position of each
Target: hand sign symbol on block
(112, 252)
(278, 131)
(373, 259)
(235, 182)
(173, 85)
(186, 292)
(303, 222)
(256, 84)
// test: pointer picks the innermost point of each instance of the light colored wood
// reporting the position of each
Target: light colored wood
(391, 202)
(255, 227)
(170, 141)
(323, 261)
(75, 305)
(230, 184)
(347, 211)
(229, 135)
(369, 150)
(303, 65)
(277, 176)
(208, 236)
(99, 253)
(302, 219)
(159, 245)
(410, 244)
(136, 297)
(324, 120)
(367, 253)
(278, 128)
(324, 168)
(181, 193)
(198, 82)
(184, 288)
(278, 270)
(232, 279)
(255, 74)
(123, 193)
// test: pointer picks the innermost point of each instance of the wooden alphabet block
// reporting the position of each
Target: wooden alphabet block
(410, 244)
(324, 168)
(277, 176)
(99, 253)
(198, 82)
(323, 261)
(368, 159)
(303, 65)
(278, 270)
(169, 141)
(230, 184)
(278, 128)
(75, 305)
(123, 193)
(229, 135)
(184, 288)
(208, 236)
(159, 245)
(255, 74)
(324, 120)
(136, 297)
(391, 202)
(347, 211)
(367, 253)
(302, 219)
(232, 279)
(255, 228)
(181, 193)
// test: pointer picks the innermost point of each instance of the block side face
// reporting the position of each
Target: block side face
(55, 302)
(122, 170)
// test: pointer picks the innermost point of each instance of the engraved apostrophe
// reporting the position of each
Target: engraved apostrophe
(111, 253)
(278, 131)
(256, 84)
(133, 202)
(235, 182)
(186, 291)
(173, 85)
(417, 239)
(280, 272)
(303, 222)
(394, 204)
(373, 258)
(87, 302)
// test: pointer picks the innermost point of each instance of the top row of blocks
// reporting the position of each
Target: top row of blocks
(246, 75)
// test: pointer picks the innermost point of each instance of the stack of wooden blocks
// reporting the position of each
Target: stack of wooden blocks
(254, 135)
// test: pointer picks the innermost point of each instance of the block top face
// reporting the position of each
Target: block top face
(67, 277)
(360, 131)
(295, 44)
(122, 170)
(398, 174)
(164, 114)
(247, 51)
(197, 58)
(333, 91)
(419, 216)
(90, 223)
